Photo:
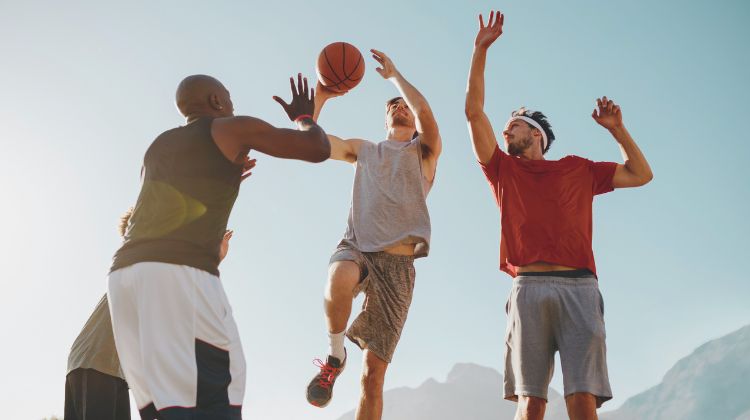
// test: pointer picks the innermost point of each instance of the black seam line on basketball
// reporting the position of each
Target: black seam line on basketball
(343, 67)
(343, 59)
(354, 69)
(353, 80)
(327, 78)
(335, 84)
(330, 67)
(332, 82)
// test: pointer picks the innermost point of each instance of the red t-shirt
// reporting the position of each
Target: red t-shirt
(545, 208)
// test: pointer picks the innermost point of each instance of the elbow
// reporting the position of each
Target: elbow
(322, 152)
(648, 178)
(319, 148)
(644, 179)
(322, 156)
(472, 112)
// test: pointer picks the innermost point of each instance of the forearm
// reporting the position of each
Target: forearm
(425, 120)
(414, 99)
(320, 100)
(480, 129)
(475, 86)
(634, 160)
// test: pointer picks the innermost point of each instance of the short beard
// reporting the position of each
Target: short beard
(517, 149)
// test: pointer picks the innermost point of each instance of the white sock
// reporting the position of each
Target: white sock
(336, 345)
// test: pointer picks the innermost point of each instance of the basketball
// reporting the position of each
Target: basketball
(340, 66)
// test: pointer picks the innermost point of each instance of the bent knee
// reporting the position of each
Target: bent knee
(343, 277)
(580, 397)
(343, 272)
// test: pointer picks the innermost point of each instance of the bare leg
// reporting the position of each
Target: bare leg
(343, 277)
(373, 376)
(530, 408)
(581, 406)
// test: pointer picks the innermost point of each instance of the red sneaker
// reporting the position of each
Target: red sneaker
(320, 389)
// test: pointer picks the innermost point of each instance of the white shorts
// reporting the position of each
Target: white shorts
(177, 341)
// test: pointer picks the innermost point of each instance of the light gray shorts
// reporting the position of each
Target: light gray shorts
(387, 281)
(548, 314)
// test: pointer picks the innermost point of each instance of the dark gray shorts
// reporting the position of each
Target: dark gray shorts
(549, 314)
(387, 281)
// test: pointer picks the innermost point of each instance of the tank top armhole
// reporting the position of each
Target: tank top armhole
(208, 122)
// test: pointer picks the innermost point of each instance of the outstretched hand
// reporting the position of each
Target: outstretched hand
(303, 99)
(387, 69)
(488, 34)
(247, 166)
(224, 246)
(607, 113)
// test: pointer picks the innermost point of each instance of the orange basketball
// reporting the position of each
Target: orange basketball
(340, 66)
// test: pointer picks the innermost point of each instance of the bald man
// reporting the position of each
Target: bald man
(173, 326)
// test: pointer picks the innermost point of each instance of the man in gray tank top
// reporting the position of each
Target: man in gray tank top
(95, 386)
(388, 227)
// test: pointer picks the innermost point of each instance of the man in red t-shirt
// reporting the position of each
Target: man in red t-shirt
(545, 244)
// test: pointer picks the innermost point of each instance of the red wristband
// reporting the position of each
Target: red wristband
(302, 117)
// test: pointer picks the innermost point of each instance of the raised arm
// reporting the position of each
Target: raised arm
(480, 129)
(636, 171)
(344, 150)
(235, 136)
(425, 121)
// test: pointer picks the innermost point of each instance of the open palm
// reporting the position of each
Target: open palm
(488, 34)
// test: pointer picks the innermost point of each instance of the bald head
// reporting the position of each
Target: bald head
(200, 95)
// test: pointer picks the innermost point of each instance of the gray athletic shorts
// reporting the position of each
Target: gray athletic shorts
(548, 314)
(387, 281)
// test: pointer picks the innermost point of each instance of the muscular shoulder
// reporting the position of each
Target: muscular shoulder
(358, 145)
(233, 125)
(231, 133)
(573, 161)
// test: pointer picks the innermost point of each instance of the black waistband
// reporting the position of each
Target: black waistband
(563, 273)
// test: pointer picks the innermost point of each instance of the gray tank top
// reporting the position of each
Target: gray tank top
(94, 347)
(388, 198)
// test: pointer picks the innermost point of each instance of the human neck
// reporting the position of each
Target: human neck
(532, 154)
(192, 116)
(400, 133)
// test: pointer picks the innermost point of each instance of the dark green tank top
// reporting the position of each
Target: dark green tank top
(189, 188)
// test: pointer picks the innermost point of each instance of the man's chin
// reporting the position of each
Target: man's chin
(513, 150)
(401, 122)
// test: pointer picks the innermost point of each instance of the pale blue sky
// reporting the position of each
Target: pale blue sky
(86, 86)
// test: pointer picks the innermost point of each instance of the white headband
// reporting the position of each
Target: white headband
(533, 124)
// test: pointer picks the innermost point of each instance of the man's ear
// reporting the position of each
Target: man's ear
(214, 102)
(537, 134)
